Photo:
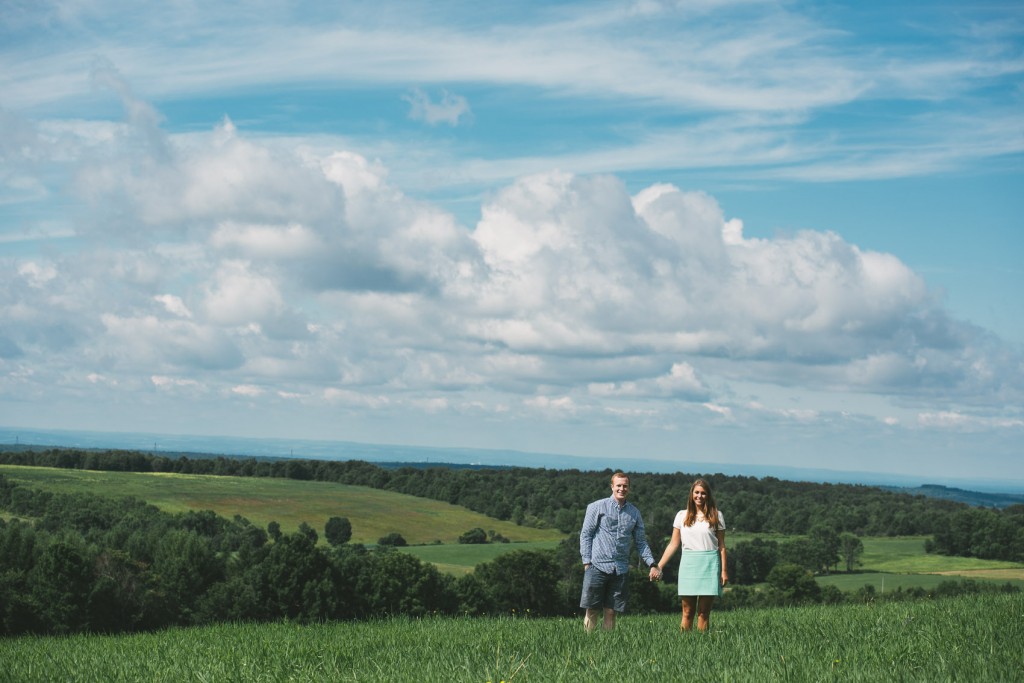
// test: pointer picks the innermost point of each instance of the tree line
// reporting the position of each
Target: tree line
(557, 498)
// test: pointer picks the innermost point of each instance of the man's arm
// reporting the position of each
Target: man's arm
(640, 539)
(591, 522)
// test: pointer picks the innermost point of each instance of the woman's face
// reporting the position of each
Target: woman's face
(699, 496)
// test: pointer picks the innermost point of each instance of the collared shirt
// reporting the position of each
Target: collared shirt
(608, 530)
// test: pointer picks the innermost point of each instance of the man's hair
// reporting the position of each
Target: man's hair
(619, 475)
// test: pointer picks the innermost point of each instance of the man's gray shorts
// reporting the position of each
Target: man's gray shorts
(603, 591)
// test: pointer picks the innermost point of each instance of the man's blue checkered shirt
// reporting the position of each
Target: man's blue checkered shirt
(608, 530)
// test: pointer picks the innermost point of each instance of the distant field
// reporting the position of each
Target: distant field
(889, 562)
(883, 582)
(906, 554)
(462, 558)
(373, 513)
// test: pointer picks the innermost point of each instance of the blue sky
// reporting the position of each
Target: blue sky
(725, 231)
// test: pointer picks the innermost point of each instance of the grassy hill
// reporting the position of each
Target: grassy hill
(972, 638)
(373, 513)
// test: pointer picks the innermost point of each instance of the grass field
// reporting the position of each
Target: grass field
(891, 562)
(906, 554)
(975, 638)
(373, 513)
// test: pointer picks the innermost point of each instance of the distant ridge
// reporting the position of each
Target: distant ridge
(978, 498)
(184, 444)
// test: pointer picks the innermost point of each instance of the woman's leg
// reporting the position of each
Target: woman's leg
(704, 604)
(689, 608)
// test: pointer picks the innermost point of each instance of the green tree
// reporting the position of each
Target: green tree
(296, 580)
(825, 546)
(60, 584)
(393, 539)
(398, 583)
(851, 547)
(752, 560)
(524, 582)
(793, 584)
(474, 536)
(185, 567)
(338, 531)
(309, 532)
(799, 551)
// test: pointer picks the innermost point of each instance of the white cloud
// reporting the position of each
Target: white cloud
(238, 296)
(291, 241)
(449, 109)
(299, 267)
(955, 420)
(37, 274)
(139, 342)
(723, 411)
(174, 305)
(165, 382)
(250, 261)
(248, 390)
(680, 382)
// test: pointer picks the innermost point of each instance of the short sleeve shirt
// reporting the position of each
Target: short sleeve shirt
(699, 536)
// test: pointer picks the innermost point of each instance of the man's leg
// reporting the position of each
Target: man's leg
(609, 619)
(595, 587)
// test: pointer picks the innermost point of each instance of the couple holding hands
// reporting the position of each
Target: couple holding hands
(612, 525)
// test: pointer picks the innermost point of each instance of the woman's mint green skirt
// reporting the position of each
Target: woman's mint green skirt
(700, 572)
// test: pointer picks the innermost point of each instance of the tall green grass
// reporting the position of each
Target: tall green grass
(955, 639)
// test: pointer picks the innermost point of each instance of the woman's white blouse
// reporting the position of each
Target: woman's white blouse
(699, 536)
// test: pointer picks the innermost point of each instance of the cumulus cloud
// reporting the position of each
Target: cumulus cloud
(233, 266)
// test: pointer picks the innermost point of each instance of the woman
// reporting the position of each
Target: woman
(700, 530)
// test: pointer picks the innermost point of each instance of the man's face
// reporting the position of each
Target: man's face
(620, 489)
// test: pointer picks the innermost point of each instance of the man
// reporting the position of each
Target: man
(610, 527)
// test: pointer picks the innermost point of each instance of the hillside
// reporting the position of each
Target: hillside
(374, 513)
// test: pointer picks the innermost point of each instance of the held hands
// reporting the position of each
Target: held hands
(655, 573)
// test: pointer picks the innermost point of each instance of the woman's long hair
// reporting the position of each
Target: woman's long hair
(710, 508)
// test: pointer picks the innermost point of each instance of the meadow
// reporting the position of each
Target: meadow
(373, 513)
(974, 638)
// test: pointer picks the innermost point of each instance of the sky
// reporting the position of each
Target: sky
(735, 231)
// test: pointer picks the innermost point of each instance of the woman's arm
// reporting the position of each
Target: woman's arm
(670, 550)
(721, 552)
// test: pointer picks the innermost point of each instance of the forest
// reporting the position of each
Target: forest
(86, 563)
